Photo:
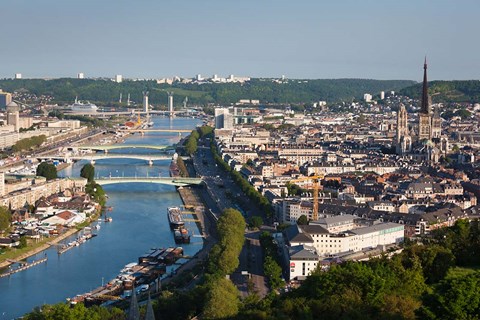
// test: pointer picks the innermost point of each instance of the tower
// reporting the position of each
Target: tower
(145, 101)
(13, 115)
(170, 105)
(425, 114)
(436, 124)
(403, 139)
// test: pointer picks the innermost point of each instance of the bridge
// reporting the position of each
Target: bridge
(123, 146)
(173, 181)
(143, 131)
(102, 156)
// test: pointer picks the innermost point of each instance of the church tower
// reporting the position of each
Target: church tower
(403, 139)
(436, 124)
(425, 114)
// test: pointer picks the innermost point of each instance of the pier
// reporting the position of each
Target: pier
(23, 266)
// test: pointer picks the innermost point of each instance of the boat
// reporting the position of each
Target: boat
(78, 106)
(108, 219)
(182, 235)
(175, 217)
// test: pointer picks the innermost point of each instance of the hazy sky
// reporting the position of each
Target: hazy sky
(379, 39)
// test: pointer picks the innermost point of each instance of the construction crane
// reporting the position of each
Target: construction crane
(316, 185)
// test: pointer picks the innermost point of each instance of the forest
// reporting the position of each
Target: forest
(106, 92)
(447, 91)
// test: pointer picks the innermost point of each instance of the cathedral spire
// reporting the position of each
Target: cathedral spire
(425, 101)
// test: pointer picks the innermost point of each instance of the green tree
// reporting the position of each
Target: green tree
(47, 170)
(96, 192)
(256, 222)
(222, 300)
(302, 220)
(88, 172)
(456, 297)
(23, 242)
(273, 271)
(361, 119)
(5, 219)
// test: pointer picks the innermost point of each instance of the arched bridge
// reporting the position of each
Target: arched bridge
(102, 156)
(173, 181)
(124, 146)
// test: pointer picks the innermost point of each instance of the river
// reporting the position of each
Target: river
(139, 223)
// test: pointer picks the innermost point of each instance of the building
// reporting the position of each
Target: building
(382, 95)
(320, 242)
(145, 101)
(223, 119)
(118, 78)
(18, 76)
(171, 111)
(429, 144)
(5, 99)
(80, 75)
(367, 97)
(13, 115)
(404, 140)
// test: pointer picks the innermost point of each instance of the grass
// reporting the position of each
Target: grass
(13, 253)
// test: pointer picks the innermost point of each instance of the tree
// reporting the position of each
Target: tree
(361, 119)
(273, 271)
(222, 300)
(5, 218)
(47, 170)
(302, 220)
(96, 192)
(256, 222)
(456, 297)
(23, 242)
(88, 172)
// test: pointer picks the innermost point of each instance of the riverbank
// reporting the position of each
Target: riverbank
(5, 261)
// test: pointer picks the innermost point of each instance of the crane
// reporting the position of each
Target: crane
(316, 183)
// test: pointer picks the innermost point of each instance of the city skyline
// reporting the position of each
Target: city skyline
(310, 40)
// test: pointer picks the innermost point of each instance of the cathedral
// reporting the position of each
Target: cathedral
(427, 143)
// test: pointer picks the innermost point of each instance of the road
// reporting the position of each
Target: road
(223, 193)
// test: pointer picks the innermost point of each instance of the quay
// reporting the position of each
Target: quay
(23, 266)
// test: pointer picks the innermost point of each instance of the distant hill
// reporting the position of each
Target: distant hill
(447, 91)
(293, 91)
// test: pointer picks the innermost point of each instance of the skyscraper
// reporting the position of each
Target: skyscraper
(145, 101)
(171, 112)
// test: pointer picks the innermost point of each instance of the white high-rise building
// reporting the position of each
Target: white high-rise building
(18, 76)
(170, 104)
(367, 97)
(145, 101)
(80, 75)
(223, 119)
(118, 78)
(382, 95)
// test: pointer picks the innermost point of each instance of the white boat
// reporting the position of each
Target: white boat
(78, 106)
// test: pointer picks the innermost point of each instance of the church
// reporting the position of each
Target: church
(426, 143)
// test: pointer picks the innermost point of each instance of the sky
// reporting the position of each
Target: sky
(306, 39)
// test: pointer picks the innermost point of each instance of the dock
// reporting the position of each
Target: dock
(23, 266)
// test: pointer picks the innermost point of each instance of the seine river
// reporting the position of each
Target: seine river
(139, 223)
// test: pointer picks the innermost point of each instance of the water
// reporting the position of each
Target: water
(139, 223)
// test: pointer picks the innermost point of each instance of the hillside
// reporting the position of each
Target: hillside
(448, 91)
(294, 91)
